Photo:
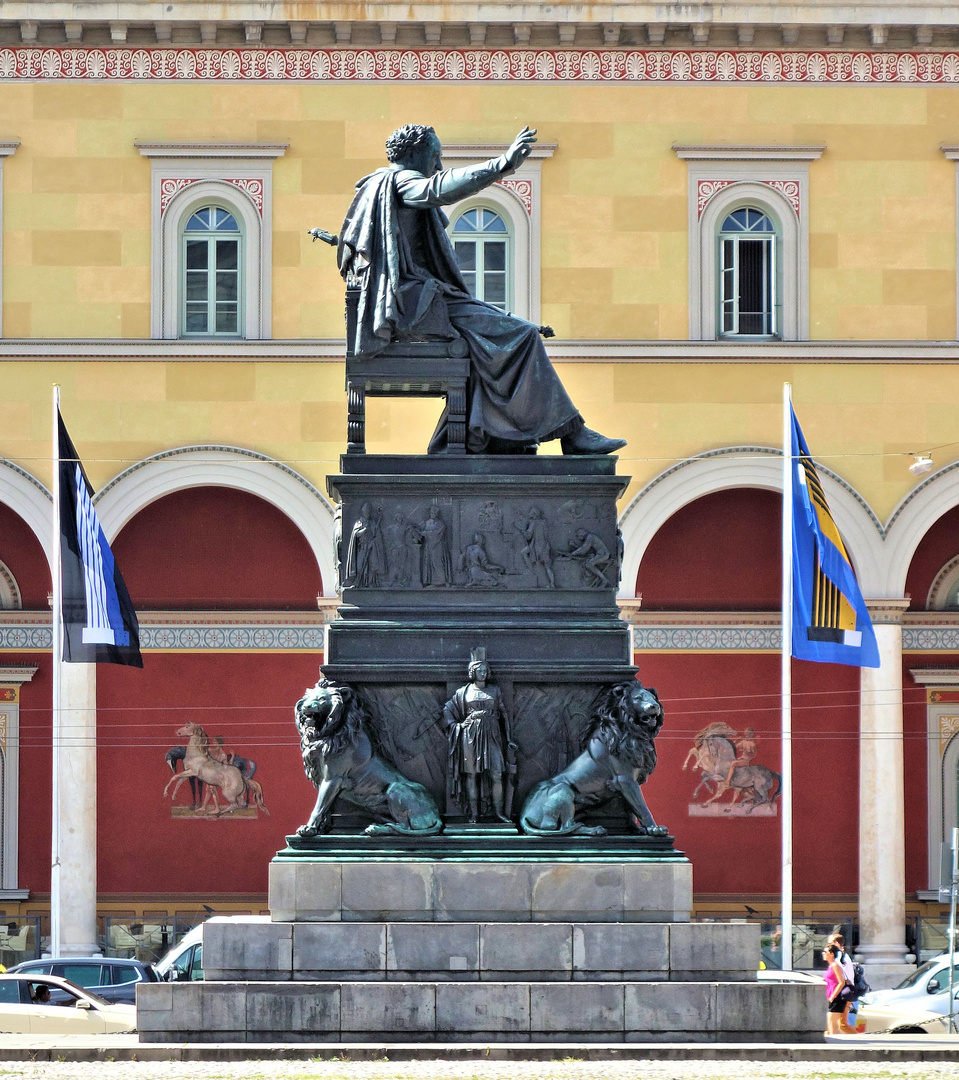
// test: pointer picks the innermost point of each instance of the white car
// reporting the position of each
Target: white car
(903, 1020)
(925, 990)
(779, 976)
(23, 1009)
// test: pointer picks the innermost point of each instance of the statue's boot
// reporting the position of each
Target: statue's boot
(586, 441)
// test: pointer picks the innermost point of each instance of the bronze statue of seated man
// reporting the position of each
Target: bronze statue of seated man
(394, 247)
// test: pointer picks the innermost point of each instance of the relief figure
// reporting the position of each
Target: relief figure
(537, 552)
(436, 567)
(480, 572)
(366, 555)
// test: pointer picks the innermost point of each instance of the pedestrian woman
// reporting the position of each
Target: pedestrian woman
(835, 984)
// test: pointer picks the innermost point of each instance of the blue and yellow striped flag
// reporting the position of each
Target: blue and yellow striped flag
(830, 621)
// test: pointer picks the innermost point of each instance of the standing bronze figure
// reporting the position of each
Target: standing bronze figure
(394, 247)
(482, 752)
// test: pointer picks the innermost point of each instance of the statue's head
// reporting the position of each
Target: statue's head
(415, 146)
(479, 672)
(477, 538)
(581, 535)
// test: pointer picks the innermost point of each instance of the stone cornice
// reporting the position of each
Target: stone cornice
(612, 352)
(748, 153)
(211, 150)
(935, 676)
(16, 676)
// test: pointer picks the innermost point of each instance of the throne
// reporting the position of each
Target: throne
(418, 368)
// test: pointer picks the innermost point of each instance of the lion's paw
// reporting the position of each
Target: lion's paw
(306, 832)
(657, 830)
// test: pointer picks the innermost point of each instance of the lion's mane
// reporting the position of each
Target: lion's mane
(336, 732)
(626, 733)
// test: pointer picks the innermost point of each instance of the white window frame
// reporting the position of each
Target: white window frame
(774, 243)
(211, 237)
(737, 176)
(480, 239)
(942, 756)
(518, 200)
(7, 149)
(237, 176)
(11, 678)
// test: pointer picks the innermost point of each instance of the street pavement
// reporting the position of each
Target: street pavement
(122, 1057)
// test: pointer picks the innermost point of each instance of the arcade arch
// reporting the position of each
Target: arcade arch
(745, 467)
(223, 466)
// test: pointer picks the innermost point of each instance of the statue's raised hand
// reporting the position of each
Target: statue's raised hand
(521, 148)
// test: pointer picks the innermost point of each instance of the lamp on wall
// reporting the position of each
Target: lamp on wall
(921, 464)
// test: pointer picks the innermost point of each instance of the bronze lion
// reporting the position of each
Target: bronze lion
(620, 756)
(339, 758)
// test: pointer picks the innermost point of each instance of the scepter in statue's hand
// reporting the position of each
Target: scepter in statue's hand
(322, 234)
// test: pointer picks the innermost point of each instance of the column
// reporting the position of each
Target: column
(882, 851)
(78, 810)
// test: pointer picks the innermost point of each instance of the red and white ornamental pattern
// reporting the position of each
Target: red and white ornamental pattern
(522, 189)
(480, 65)
(706, 189)
(170, 186)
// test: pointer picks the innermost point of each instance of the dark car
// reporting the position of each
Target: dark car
(112, 979)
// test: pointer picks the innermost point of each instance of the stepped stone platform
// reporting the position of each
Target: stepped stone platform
(371, 941)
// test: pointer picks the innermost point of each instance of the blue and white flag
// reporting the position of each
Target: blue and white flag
(99, 623)
(830, 621)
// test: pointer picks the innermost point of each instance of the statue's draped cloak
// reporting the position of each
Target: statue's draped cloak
(394, 245)
(475, 740)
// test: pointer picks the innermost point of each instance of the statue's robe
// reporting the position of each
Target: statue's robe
(394, 245)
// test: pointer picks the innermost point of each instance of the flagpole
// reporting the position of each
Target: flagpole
(786, 915)
(57, 662)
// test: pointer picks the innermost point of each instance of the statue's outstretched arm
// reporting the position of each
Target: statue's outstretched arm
(450, 186)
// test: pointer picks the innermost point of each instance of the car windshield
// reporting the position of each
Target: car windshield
(79, 992)
(918, 974)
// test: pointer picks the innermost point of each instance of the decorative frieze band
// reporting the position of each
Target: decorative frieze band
(479, 65)
(522, 189)
(246, 633)
(922, 632)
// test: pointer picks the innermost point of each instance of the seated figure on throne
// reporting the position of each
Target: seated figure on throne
(394, 247)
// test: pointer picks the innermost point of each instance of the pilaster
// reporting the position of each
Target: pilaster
(882, 855)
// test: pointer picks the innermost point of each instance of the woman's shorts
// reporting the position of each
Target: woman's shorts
(837, 1005)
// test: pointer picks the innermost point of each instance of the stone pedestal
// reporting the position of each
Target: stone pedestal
(479, 934)
(441, 555)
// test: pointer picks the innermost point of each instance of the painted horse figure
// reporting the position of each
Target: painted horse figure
(198, 762)
(714, 754)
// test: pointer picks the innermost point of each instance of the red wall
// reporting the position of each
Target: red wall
(216, 547)
(742, 854)
(23, 555)
(248, 698)
(937, 547)
(721, 552)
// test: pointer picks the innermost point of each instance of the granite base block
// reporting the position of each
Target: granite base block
(480, 951)
(448, 891)
(497, 1011)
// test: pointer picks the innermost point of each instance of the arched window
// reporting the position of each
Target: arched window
(748, 268)
(483, 243)
(211, 288)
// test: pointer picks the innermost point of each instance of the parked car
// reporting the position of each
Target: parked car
(907, 1020)
(109, 978)
(779, 976)
(920, 991)
(77, 1011)
(184, 960)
